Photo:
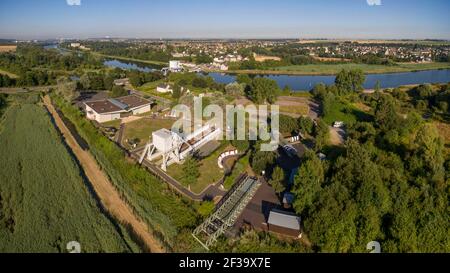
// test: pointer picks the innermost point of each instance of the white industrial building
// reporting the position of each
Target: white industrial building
(173, 147)
(112, 109)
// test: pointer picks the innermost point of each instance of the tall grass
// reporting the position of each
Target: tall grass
(44, 200)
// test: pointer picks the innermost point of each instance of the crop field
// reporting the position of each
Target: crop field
(44, 200)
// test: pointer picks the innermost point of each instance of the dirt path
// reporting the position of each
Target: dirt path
(107, 193)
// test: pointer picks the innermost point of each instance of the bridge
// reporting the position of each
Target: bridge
(227, 211)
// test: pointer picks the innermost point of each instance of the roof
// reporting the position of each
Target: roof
(104, 106)
(164, 85)
(163, 133)
(133, 101)
(284, 219)
(121, 104)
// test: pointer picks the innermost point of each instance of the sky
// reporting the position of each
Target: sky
(346, 19)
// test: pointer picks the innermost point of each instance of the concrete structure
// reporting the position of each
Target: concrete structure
(164, 88)
(113, 109)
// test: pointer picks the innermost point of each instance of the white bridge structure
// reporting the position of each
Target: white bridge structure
(173, 147)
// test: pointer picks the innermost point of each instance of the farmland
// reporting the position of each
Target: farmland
(44, 199)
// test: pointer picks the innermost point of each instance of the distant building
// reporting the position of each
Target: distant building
(175, 66)
(112, 109)
(284, 223)
(75, 45)
(164, 88)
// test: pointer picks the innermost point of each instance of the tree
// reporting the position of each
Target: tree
(306, 125)
(235, 89)
(108, 82)
(118, 91)
(200, 82)
(288, 125)
(190, 171)
(206, 208)
(430, 154)
(278, 180)
(321, 134)
(386, 116)
(378, 86)
(350, 80)
(308, 182)
(176, 93)
(264, 90)
(67, 89)
(244, 79)
(85, 81)
(262, 161)
(135, 79)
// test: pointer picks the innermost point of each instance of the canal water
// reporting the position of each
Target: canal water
(308, 82)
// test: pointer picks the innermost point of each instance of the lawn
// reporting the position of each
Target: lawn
(44, 200)
(346, 112)
(332, 69)
(142, 129)
(210, 173)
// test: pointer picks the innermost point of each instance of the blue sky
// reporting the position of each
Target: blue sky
(38, 19)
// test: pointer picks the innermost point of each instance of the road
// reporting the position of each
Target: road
(106, 192)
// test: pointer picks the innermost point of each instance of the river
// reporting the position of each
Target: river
(308, 82)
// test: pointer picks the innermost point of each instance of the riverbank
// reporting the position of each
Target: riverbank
(333, 69)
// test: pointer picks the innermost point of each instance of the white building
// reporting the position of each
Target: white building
(175, 66)
(113, 109)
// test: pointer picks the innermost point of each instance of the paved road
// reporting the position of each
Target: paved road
(106, 192)
(208, 194)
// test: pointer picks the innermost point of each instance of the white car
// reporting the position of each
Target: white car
(338, 124)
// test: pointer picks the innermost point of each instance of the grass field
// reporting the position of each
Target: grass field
(346, 112)
(44, 201)
(210, 173)
(333, 69)
(142, 129)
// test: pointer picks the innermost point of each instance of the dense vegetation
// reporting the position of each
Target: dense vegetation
(35, 65)
(151, 53)
(389, 183)
(44, 204)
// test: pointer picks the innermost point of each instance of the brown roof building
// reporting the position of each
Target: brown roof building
(112, 109)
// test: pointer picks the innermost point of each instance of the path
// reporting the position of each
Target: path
(106, 192)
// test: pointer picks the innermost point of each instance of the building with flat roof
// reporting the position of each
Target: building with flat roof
(284, 223)
(112, 109)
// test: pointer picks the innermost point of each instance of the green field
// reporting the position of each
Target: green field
(346, 112)
(332, 69)
(210, 173)
(44, 200)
